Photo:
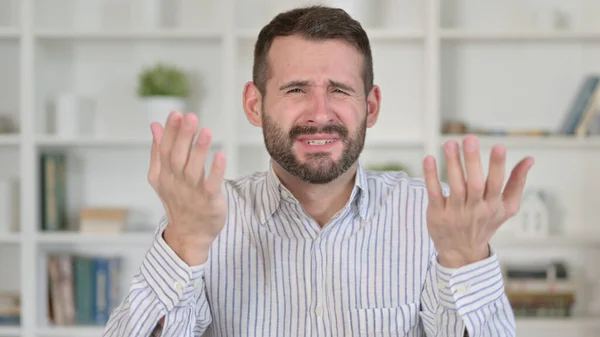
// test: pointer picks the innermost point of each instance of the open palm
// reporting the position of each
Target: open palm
(462, 223)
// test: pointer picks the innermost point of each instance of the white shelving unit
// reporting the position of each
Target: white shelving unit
(483, 62)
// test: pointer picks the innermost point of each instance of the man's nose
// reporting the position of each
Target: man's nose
(320, 111)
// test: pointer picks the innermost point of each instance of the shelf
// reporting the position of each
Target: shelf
(52, 141)
(10, 238)
(128, 238)
(67, 331)
(125, 143)
(8, 33)
(398, 142)
(131, 35)
(549, 142)
(370, 142)
(9, 140)
(459, 34)
(581, 240)
(543, 323)
(9, 331)
(522, 323)
(374, 34)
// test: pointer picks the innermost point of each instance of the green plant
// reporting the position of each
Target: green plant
(163, 80)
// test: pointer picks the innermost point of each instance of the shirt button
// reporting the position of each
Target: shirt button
(178, 287)
(462, 289)
(319, 311)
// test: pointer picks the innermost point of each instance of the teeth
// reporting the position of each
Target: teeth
(319, 142)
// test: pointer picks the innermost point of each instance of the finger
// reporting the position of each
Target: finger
(475, 178)
(215, 177)
(194, 169)
(496, 175)
(154, 169)
(516, 184)
(183, 143)
(456, 178)
(168, 139)
(432, 182)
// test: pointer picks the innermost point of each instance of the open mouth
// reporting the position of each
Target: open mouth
(320, 141)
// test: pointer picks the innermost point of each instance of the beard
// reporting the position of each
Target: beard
(319, 167)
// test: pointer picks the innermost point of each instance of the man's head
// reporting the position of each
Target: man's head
(313, 92)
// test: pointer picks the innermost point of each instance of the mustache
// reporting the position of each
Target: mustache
(300, 130)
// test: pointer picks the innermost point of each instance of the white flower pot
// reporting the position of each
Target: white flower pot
(73, 115)
(158, 108)
(151, 14)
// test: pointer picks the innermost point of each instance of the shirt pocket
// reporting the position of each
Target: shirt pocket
(384, 321)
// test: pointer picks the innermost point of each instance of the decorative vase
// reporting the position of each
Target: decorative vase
(158, 108)
(534, 214)
(152, 11)
(73, 116)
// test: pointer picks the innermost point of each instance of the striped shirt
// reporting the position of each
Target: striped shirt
(273, 271)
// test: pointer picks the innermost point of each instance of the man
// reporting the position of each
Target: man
(318, 246)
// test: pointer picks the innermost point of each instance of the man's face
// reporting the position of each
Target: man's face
(315, 114)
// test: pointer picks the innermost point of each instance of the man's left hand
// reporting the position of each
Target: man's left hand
(462, 224)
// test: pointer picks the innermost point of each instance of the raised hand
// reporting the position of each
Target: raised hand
(462, 224)
(193, 200)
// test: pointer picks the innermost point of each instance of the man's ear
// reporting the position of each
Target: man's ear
(373, 105)
(252, 101)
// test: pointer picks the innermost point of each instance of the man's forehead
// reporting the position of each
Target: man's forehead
(286, 58)
(287, 44)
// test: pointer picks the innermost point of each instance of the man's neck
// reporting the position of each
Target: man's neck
(320, 201)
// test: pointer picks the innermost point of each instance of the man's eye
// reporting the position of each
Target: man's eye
(295, 90)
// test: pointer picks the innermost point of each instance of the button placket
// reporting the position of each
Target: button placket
(318, 264)
(179, 288)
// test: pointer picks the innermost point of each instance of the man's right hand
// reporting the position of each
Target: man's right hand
(193, 201)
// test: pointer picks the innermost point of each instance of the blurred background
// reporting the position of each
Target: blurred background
(80, 81)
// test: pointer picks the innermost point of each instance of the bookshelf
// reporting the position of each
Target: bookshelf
(491, 64)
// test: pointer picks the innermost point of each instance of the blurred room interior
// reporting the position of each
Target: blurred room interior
(80, 81)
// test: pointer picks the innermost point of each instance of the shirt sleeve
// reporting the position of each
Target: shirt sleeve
(469, 299)
(164, 286)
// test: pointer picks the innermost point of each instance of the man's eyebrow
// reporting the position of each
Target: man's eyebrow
(341, 85)
(302, 83)
(296, 83)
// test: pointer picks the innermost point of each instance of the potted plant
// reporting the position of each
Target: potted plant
(163, 88)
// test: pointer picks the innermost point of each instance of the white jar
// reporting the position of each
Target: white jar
(74, 115)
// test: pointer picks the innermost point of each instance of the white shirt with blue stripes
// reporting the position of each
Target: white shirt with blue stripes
(272, 271)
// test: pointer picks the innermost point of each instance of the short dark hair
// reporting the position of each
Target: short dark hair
(313, 23)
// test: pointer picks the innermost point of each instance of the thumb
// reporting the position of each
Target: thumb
(154, 170)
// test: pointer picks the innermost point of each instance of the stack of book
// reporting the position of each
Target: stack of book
(83, 289)
(540, 291)
(10, 308)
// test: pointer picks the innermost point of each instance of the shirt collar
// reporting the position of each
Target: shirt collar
(275, 191)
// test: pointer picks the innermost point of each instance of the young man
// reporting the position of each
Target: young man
(318, 246)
